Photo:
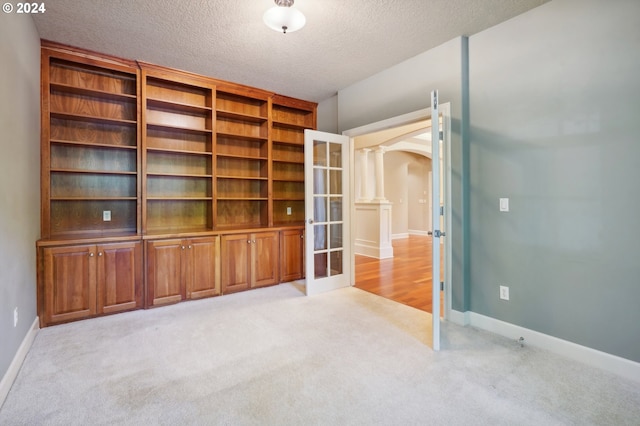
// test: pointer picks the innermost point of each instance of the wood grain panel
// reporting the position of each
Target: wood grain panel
(179, 93)
(178, 186)
(175, 163)
(241, 213)
(67, 157)
(69, 217)
(119, 277)
(241, 104)
(92, 185)
(202, 278)
(265, 267)
(181, 141)
(90, 77)
(164, 272)
(178, 214)
(236, 251)
(291, 255)
(80, 104)
(241, 148)
(100, 133)
(69, 283)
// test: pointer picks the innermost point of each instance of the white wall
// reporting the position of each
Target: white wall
(397, 190)
(19, 178)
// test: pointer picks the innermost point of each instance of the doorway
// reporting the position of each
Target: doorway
(410, 265)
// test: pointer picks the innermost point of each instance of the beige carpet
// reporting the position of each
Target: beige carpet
(275, 357)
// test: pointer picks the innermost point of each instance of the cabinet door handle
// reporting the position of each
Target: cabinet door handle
(189, 247)
(248, 241)
(182, 247)
(254, 241)
(99, 253)
(90, 254)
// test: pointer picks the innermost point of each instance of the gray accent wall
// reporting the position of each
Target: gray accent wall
(19, 179)
(545, 111)
(555, 126)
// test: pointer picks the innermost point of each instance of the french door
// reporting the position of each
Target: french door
(327, 241)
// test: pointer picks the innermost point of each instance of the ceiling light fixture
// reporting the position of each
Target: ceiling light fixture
(284, 17)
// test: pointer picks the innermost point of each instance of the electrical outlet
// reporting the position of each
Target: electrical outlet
(504, 292)
(15, 317)
(106, 215)
(288, 211)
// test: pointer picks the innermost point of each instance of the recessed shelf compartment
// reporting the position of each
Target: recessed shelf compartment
(99, 133)
(86, 216)
(241, 189)
(178, 214)
(235, 105)
(242, 213)
(241, 129)
(172, 139)
(88, 104)
(92, 185)
(92, 158)
(288, 171)
(178, 186)
(92, 78)
(59, 87)
(293, 117)
(235, 147)
(288, 153)
(287, 135)
(173, 93)
(177, 163)
(229, 167)
(90, 118)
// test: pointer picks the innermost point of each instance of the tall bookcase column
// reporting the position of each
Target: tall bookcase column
(242, 158)
(89, 154)
(177, 152)
(289, 118)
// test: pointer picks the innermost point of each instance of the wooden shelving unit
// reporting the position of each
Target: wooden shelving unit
(242, 159)
(289, 119)
(89, 147)
(160, 185)
(177, 157)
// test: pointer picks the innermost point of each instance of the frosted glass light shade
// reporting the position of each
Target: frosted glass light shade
(285, 19)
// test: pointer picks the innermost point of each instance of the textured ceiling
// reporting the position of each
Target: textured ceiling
(343, 42)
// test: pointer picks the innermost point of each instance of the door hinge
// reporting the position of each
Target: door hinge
(441, 210)
(441, 285)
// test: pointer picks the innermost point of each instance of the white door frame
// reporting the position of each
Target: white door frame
(397, 121)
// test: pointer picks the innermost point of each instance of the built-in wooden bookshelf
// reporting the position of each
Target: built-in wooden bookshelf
(156, 183)
(289, 119)
(89, 148)
(242, 159)
(177, 157)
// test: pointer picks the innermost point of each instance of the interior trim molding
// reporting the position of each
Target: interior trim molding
(593, 357)
(459, 318)
(400, 236)
(418, 232)
(18, 359)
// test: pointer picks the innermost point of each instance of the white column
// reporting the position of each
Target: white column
(364, 175)
(380, 174)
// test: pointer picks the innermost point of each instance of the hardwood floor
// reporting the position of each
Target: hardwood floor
(406, 278)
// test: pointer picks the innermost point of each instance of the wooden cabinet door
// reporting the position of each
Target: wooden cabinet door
(236, 251)
(291, 255)
(69, 283)
(264, 259)
(164, 272)
(203, 264)
(119, 277)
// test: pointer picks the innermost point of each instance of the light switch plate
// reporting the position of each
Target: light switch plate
(106, 215)
(504, 204)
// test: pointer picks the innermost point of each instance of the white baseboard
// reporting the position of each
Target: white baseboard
(612, 363)
(373, 251)
(399, 236)
(457, 317)
(418, 232)
(18, 359)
